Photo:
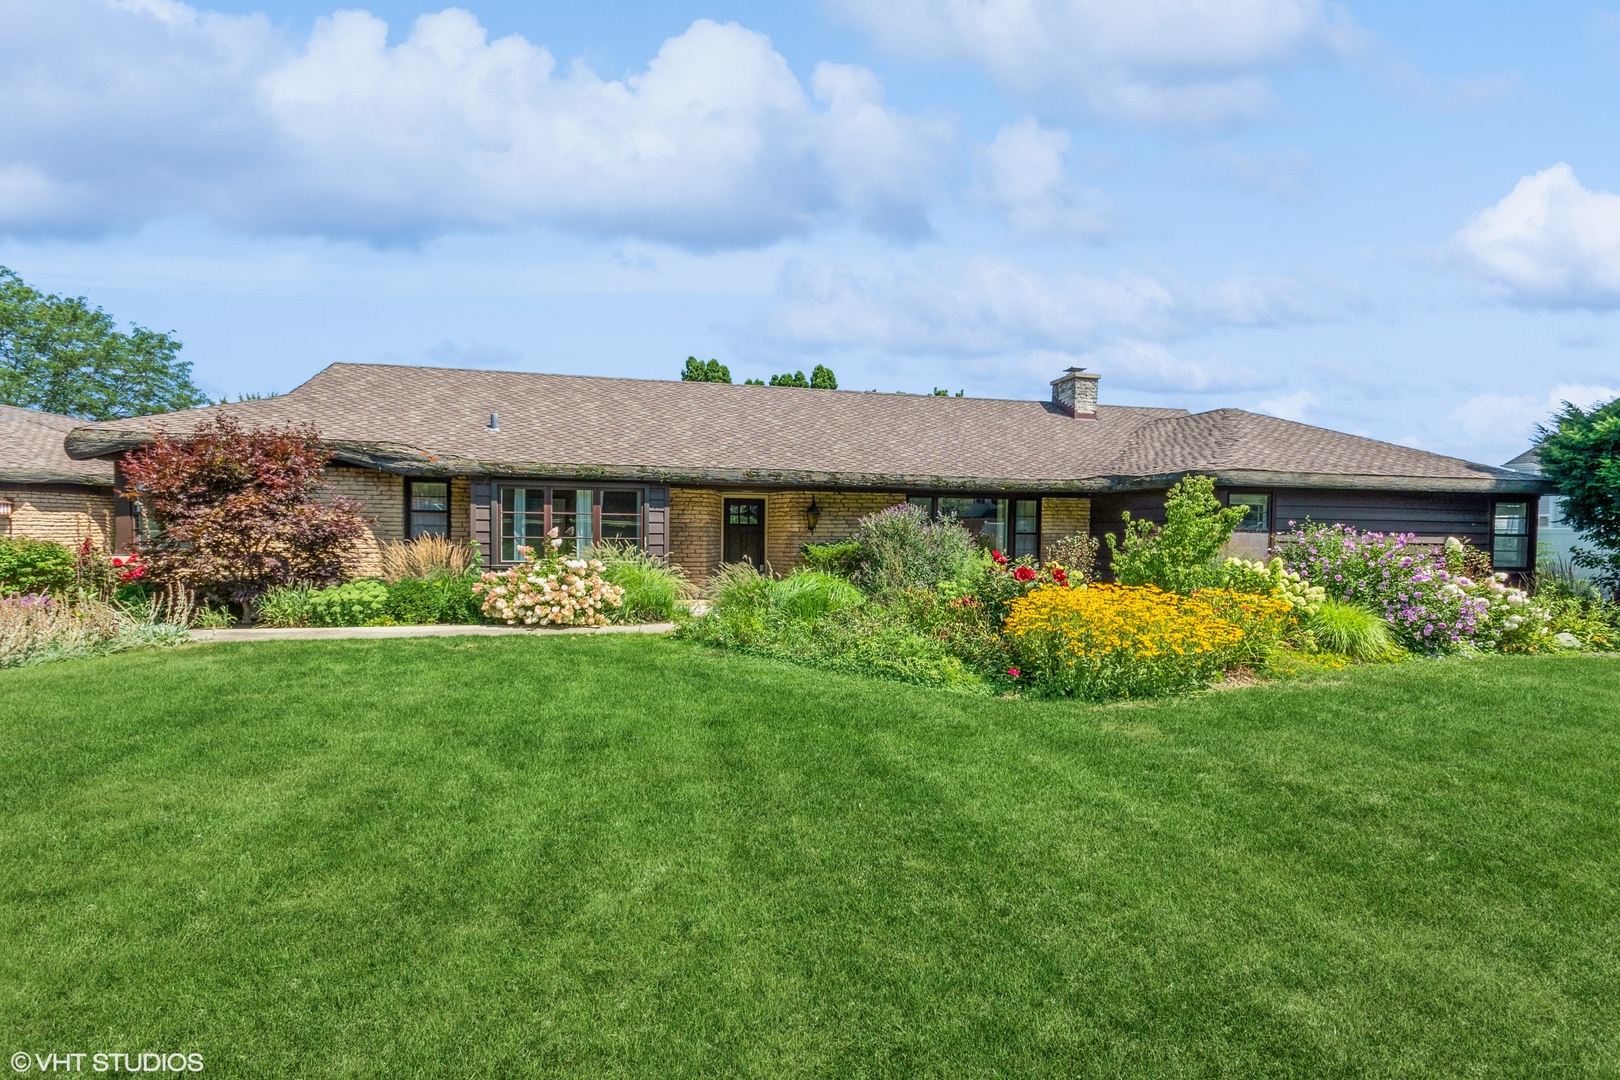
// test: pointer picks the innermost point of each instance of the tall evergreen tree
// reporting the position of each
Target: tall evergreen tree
(64, 356)
(1580, 452)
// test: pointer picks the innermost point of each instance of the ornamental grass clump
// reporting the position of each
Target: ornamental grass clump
(1119, 641)
(654, 591)
(546, 589)
(1352, 630)
(37, 629)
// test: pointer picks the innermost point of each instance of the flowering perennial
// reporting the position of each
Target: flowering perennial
(1430, 608)
(1105, 641)
(546, 589)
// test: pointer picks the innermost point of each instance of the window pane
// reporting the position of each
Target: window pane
(523, 521)
(425, 496)
(1258, 519)
(742, 513)
(986, 519)
(621, 502)
(621, 528)
(1510, 552)
(1513, 519)
(427, 523)
(1028, 515)
(924, 501)
(1024, 544)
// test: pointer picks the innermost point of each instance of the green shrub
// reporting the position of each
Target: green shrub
(414, 602)
(35, 566)
(212, 618)
(285, 606)
(811, 595)
(1352, 630)
(459, 605)
(901, 548)
(837, 558)
(653, 589)
(1180, 556)
(356, 603)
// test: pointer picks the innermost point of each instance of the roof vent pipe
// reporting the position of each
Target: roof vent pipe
(1075, 393)
(494, 421)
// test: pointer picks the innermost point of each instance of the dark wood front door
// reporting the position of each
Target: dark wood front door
(745, 531)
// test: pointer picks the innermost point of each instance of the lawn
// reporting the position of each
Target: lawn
(627, 856)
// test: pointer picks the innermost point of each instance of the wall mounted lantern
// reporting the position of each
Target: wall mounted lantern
(5, 508)
(812, 515)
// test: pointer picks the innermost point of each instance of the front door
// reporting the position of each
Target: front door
(745, 531)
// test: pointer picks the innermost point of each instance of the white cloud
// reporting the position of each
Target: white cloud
(984, 307)
(1175, 62)
(119, 113)
(1024, 173)
(1494, 418)
(1550, 242)
(1291, 406)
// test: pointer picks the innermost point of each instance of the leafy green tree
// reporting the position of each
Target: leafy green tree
(63, 356)
(822, 378)
(794, 379)
(1181, 556)
(698, 371)
(1580, 452)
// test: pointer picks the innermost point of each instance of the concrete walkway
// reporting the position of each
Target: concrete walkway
(327, 633)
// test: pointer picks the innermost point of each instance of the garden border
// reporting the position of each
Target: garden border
(316, 633)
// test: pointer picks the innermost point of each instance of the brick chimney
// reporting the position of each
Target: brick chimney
(1075, 393)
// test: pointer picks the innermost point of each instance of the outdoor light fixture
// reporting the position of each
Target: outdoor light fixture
(812, 515)
(5, 508)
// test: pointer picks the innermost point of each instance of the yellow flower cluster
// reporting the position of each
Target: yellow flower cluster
(1125, 641)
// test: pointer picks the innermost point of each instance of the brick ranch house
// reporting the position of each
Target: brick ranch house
(705, 473)
(44, 494)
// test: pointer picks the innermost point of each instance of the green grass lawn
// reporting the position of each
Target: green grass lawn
(628, 856)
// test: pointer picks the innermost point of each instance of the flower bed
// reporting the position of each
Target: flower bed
(548, 590)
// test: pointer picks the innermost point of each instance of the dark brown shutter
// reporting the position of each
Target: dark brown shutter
(657, 510)
(482, 493)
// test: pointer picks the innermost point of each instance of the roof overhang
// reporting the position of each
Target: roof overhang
(52, 476)
(1509, 484)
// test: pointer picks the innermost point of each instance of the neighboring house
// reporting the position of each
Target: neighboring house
(44, 494)
(706, 473)
(1554, 535)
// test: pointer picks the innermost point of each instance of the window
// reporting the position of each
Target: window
(1552, 511)
(429, 502)
(523, 520)
(1258, 519)
(1026, 527)
(1510, 536)
(621, 515)
(581, 517)
(571, 517)
(1009, 525)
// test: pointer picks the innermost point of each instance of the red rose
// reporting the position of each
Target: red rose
(1013, 672)
(1023, 573)
(1001, 560)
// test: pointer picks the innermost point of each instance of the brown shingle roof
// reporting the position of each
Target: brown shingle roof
(31, 451)
(435, 421)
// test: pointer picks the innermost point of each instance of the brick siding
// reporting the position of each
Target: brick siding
(65, 513)
(1063, 518)
(694, 531)
(785, 531)
(382, 502)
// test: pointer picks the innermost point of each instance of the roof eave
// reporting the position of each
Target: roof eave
(29, 475)
(1265, 478)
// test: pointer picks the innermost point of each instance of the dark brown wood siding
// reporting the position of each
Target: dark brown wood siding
(658, 521)
(482, 491)
(1431, 517)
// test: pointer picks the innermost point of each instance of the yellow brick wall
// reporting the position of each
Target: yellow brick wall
(695, 524)
(63, 513)
(785, 531)
(1063, 518)
(694, 531)
(382, 502)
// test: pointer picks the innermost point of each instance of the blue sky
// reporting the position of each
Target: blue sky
(1391, 219)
